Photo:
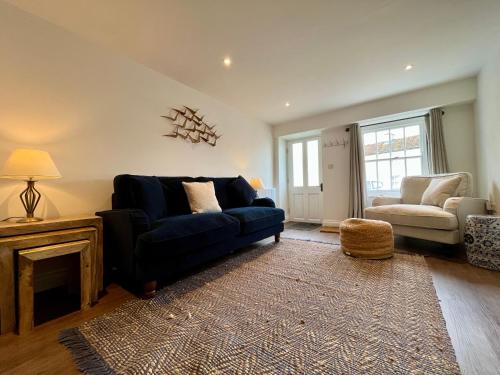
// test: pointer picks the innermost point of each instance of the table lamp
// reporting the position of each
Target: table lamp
(30, 166)
(256, 183)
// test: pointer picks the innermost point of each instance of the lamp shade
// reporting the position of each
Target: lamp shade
(257, 183)
(34, 165)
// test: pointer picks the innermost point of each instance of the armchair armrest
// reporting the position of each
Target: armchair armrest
(263, 202)
(384, 201)
(461, 207)
(121, 229)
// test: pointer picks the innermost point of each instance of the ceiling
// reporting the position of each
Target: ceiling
(316, 54)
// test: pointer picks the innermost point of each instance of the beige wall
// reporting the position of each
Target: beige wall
(99, 115)
(488, 130)
(459, 137)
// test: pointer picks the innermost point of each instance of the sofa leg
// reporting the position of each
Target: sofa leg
(149, 289)
(277, 238)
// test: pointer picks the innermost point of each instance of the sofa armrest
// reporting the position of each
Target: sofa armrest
(263, 202)
(384, 201)
(461, 207)
(121, 229)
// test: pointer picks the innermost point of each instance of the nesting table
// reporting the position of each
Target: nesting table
(24, 244)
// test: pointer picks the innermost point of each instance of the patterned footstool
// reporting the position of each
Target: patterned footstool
(369, 239)
(482, 241)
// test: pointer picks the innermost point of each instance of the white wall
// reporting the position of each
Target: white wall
(459, 138)
(335, 177)
(98, 115)
(488, 130)
(460, 91)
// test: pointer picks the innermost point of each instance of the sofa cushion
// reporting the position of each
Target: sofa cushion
(181, 234)
(242, 193)
(413, 215)
(201, 197)
(149, 197)
(253, 219)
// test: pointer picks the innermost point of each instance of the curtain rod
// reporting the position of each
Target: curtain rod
(402, 119)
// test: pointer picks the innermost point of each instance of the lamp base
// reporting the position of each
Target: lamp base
(29, 219)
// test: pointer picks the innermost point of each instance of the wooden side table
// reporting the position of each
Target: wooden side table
(22, 244)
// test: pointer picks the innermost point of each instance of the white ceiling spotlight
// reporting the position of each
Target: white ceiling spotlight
(408, 67)
(287, 104)
(227, 61)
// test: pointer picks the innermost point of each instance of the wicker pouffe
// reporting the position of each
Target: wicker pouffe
(369, 239)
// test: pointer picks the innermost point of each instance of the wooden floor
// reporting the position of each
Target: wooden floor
(469, 297)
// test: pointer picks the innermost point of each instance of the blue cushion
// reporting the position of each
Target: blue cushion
(253, 219)
(242, 193)
(149, 196)
(181, 234)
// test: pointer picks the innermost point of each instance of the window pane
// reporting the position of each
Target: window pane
(383, 144)
(298, 168)
(370, 146)
(312, 163)
(371, 175)
(384, 175)
(397, 143)
(414, 166)
(412, 139)
(398, 172)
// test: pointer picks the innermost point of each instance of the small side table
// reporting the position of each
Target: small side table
(24, 244)
(482, 241)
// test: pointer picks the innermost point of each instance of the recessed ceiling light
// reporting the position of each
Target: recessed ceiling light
(227, 62)
(409, 67)
(287, 104)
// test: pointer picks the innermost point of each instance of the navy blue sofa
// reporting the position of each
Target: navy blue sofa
(151, 236)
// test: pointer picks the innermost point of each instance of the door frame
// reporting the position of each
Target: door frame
(289, 167)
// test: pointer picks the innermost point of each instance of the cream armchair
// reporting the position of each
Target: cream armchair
(409, 218)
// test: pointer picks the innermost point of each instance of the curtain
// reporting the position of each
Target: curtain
(357, 191)
(436, 150)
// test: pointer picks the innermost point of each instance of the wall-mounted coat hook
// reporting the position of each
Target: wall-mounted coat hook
(336, 143)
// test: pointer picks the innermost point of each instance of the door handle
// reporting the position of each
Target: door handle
(321, 187)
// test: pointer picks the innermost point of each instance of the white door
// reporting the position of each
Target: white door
(304, 182)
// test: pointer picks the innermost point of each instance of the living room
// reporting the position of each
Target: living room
(307, 134)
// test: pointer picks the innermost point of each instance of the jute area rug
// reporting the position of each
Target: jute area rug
(292, 308)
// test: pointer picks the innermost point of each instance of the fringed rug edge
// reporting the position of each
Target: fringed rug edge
(86, 358)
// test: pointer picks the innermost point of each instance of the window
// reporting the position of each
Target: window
(298, 172)
(393, 150)
(306, 163)
(312, 163)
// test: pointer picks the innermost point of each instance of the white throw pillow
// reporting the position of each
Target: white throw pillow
(201, 197)
(439, 190)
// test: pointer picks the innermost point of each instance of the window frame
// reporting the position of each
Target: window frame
(390, 125)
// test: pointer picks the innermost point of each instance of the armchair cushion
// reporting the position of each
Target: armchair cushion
(382, 201)
(439, 190)
(414, 216)
(412, 188)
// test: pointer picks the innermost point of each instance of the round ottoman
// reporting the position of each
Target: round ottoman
(369, 239)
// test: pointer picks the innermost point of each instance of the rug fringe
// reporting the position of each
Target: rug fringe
(85, 356)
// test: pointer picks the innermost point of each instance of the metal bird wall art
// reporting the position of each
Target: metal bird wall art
(188, 124)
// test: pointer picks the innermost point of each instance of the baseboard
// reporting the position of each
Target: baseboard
(331, 223)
